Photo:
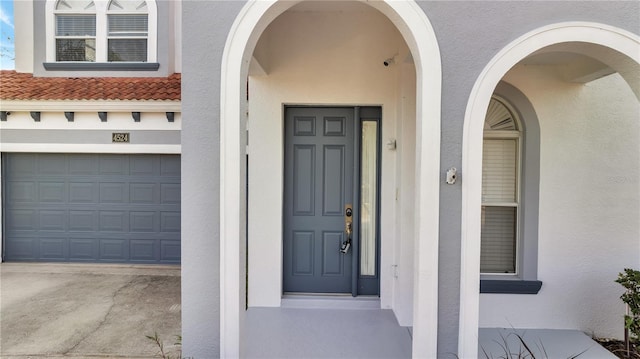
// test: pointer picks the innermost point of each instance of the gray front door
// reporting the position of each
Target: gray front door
(319, 175)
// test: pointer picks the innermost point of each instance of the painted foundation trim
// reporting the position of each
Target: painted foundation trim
(510, 286)
(616, 39)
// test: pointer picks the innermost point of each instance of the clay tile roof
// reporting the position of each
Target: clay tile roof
(21, 86)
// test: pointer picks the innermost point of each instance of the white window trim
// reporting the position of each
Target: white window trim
(515, 135)
(101, 30)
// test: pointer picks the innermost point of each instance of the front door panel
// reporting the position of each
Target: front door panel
(319, 175)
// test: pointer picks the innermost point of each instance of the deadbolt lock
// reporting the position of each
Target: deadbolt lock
(348, 218)
(348, 228)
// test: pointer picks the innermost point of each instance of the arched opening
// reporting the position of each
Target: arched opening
(577, 77)
(423, 112)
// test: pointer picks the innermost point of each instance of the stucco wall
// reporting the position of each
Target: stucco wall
(205, 28)
(589, 204)
(469, 35)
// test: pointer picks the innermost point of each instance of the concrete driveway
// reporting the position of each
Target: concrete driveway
(85, 311)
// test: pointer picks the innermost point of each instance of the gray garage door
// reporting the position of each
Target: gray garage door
(92, 208)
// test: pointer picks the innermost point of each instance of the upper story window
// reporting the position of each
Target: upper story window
(500, 191)
(101, 31)
(128, 29)
(75, 35)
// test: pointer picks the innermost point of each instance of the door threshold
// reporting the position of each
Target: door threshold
(329, 301)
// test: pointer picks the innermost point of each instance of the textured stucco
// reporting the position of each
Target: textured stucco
(468, 35)
(205, 36)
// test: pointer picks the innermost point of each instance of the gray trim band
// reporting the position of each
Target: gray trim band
(101, 66)
(510, 286)
(137, 137)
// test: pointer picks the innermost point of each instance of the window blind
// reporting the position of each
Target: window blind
(498, 240)
(75, 25)
(499, 169)
(499, 221)
(128, 25)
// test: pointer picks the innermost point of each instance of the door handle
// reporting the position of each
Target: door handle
(348, 228)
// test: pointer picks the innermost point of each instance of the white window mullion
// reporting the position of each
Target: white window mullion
(101, 32)
(152, 34)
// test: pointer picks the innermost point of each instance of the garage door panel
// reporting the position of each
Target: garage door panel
(53, 220)
(113, 221)
(143, 193)
(170, 166)
(53, 248)
(82, 220)
(170, 193)
(21, 192)
(92, 208)
(83, 165)
(170, 222)
(114, 192)
(114, 165)
(24, 164)
(113, 249)
(22, 248)
(170, 250)
(21, 220)
(52, 192)
(83, 192)
(143, 221)
(143, 250)
(144, 166)
(52, 164)
(83, 249)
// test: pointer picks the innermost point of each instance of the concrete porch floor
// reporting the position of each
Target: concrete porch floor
(309, 328)
(325, 333)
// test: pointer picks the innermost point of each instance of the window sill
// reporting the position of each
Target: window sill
(510, 286)
(101, 66)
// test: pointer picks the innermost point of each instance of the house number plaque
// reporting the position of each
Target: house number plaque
(120, 137)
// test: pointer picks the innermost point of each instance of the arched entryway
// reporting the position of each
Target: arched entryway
(612, 49)
(414, 27)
